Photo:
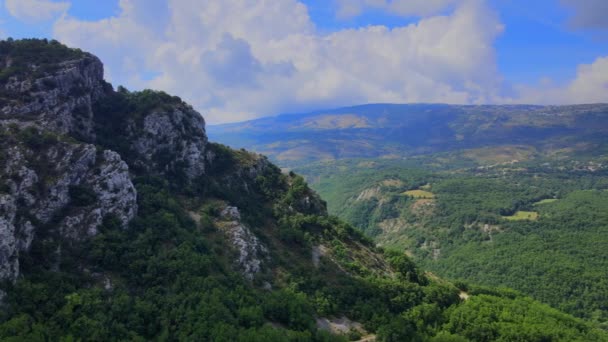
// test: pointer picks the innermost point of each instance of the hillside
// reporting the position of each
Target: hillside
(538, 226)
(394, 130)
(119, 220)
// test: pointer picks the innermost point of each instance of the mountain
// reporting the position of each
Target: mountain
(119, 220)
(398, 130)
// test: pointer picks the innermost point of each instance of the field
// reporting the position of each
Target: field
(420, 194)
(523, 215)
(546, 201)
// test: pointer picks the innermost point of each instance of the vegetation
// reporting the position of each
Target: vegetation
(535, 226)
(26, 53)
(168, 277)
(523, 215)
(82, 196)
(420, 194)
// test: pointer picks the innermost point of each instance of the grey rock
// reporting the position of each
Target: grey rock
(39, 184)
(231, 213)
(171, 139)
(60, 101)
(251, 252)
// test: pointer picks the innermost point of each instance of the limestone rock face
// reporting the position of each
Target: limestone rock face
(52, 179)
(67, 187)
(251, 252)
(171, 139)
(59, 99)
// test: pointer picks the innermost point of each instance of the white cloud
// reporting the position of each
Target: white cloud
(591, 83)
(240, 59)
(589, 86)
(36, 10)
(419, 8)
(588, 14)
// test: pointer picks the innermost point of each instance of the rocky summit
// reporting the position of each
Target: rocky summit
(54, 170)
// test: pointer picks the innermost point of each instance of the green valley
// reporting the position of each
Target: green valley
(496, 195)
(538, 226)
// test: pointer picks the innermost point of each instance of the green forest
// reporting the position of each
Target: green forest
(539, 226)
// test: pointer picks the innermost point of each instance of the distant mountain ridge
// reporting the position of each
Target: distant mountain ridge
(389, 130)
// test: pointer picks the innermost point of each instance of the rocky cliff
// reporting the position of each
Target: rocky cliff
(58, 97)
(71, 147)
(56, 188)
(55, 183)
(49, 180)
(156, 133)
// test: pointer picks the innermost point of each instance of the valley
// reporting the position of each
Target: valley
(511, 196)
(536, 226)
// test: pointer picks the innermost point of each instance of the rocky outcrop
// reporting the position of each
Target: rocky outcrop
(310, 203)
(237, 171)
(52, 180)
(58, 97)
(68, 188)
(171, 140)
(57, 168)
(251, 252)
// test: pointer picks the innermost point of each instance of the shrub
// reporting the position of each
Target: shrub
(82, 196)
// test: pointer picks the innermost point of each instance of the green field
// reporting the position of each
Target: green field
(420, 194)
(523, 215)
(546, 201)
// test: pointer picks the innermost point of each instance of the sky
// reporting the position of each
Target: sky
(235, 60)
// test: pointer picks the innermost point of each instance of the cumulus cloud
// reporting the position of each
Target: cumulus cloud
(420, 8)
(588, 14)
(36, 10)
(240, 59)
(589, 86)
(591, 83)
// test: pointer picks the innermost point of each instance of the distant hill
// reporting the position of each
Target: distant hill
(395, 130)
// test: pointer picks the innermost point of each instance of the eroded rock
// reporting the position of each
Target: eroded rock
(42, 191)
(251, 252)
(59, 100)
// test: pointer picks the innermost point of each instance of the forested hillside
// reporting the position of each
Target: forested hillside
(120, 221)
(538, 226)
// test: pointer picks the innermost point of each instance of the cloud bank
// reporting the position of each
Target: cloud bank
(32, 11)
(241, 59)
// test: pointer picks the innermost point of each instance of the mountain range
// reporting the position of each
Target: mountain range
(401, 130)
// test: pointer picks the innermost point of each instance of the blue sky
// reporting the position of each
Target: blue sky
(537, 41)
(315, 53)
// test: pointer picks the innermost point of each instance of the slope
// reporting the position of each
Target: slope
(537, 226)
